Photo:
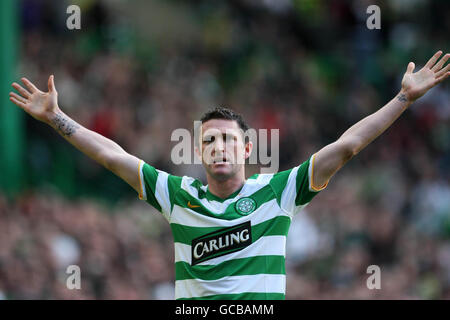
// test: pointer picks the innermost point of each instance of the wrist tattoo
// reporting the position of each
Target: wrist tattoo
(402, 97)
(65, 126)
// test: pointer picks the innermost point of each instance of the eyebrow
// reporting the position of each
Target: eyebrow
(206, 135)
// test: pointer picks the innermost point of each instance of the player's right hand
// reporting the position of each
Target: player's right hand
(40, 105)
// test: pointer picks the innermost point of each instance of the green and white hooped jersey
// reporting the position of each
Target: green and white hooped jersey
(230, 248)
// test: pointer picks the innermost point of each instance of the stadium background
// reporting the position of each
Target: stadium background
(137, 70)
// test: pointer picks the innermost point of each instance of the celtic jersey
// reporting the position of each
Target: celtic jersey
(231, 248)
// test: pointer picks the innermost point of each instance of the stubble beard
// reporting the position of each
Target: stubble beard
(235, 168)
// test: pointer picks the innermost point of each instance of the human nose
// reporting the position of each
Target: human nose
(219, 145)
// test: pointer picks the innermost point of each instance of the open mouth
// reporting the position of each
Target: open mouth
(221, 161)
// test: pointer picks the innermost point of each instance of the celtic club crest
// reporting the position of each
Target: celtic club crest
(245, 206)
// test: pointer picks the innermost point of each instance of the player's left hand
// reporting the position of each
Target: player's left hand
(416, 84)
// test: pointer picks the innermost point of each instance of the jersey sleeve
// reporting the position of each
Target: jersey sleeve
(295, 187)
(158, 188)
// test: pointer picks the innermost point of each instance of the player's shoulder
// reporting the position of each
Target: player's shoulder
(279, 180)
(192, 185)
(147, 167)
(260, 178)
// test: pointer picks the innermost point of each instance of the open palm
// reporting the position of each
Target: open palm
(417, 84)
(40, 105)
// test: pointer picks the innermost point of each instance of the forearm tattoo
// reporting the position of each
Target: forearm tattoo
(402, 97)
(65, 126)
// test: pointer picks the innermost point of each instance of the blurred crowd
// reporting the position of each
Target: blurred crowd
(310, 68)
(122, 254)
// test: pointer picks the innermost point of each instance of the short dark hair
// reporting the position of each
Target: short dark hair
(227, 114)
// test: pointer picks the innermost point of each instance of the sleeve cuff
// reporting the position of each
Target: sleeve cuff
(312, 186)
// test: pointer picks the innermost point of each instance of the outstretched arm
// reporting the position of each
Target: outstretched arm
(43, 106)
(332, 157)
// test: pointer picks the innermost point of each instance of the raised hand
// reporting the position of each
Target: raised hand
(416, 84)
(40, 105)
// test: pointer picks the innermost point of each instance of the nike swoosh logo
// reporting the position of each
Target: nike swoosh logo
(192, 206)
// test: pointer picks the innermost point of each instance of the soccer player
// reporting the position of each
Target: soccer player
(230, 235)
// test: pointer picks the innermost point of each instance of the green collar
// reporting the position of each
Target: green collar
(211, 196)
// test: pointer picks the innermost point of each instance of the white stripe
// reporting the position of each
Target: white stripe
(251, 186)
(231, 285)
(290, 192)
(310, 173)
(162, 193)
(182, 252)
(264, 179)
(254, 185)
(186, 185)
(214, 206)
(266, 211)
(142, 181)
(264, 246)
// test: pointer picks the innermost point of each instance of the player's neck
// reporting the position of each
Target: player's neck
(224, 188)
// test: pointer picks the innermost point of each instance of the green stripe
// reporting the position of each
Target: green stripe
(242, 296)
(150, 176)
(198, 185)
(261, 196)
(277, 226)
(174, 185)
(235, 267)
(213, 197)
(302, 185)
(278, 183)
